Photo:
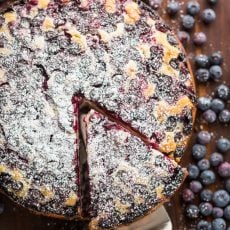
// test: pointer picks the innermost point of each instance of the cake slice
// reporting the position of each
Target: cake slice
(127, 178)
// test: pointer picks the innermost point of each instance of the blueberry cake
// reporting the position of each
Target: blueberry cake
(116, 56)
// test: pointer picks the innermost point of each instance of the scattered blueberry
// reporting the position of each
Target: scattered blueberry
(205, 208)
(217, 212)
(188, 195)
(199, 38)
(193, 171)
(207, 177)
(227, 212)
(203, 103)
(209, 116)
(173, 8)
(195, 186)
(188, 22)
(192, 211)
(204, 225)
(203, 164)
(184, 37)
(212, 2)
(224, 116)
(224, 169)
(218, 224)
(206, 195)
(204, 137)
(223, 144)
(223, 92)
(217, 105)
(199, 151)
(202, 75)
(202, 61)
(216, 72)
(227, 185)
(216, 58)
(216, 159)
(193, 7)
(2, 207)
(221, 198)
(208, 16)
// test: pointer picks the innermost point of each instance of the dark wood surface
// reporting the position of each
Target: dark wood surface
(16, 218)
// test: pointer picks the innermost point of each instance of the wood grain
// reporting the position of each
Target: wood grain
(16, 218)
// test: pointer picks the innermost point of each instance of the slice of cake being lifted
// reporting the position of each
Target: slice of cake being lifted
(127, 179)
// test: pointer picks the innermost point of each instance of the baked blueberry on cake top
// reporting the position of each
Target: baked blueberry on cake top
(57, 55)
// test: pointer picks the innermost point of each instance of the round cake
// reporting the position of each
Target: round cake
(96, 109)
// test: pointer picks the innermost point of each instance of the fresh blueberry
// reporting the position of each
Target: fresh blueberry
(202, 61)
(204, 225)
(188, 22)
(199, 38)
(221, 198)
(204, 137)
(217, 212)
(193, 7)
(208, 16)
(195, 186)
(218, 224)
(227, 212)
(202, 75)
(217, 105)
(192, 211)
(203, 103)
(207, 177)
(223, 92)
(227, 185)
(206, 195)
(216, 58)
(203, 164)
(209, 116)
(199, 151)
(184, 37)
(205, 208)
(173, 8)
(2, 207)
(212, 2)
(216, 72)
(224, 169)
(188, 195)
(216, 159)
(224, 116)
(223, 144)
(193, 171)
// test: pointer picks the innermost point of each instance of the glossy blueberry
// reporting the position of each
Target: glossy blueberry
(195, 186)
(209, 116)
(224, 116)
(204, 137)
(221, 198)
(188, 195)
(227, 185)
(202, 61)
(212, 2)
(217, 105)
(223, 92)
(207, 177)
(204, 225)
(199, 38)
(193, 171)
(173, 8)
(208, 16)
(223, 144)
(216, 159)
(227, 212)
(218, 224)
(188, 22)
(205, 208)
(216, 58)
(192, 211)
(184, 37)
(217, 212)
(224, 169)
(2, 207)
(203, 164)
(216, 72)
(206, 195)
(193, 7)
(203, 103)
(202, 75)
(199, 151)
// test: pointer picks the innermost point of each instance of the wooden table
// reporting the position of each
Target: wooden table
(16, 218)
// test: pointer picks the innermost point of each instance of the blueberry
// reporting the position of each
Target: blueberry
(206, 195)
(202, 75)
(2, 207)
(184, 37)
(155, 4)
(223, 92)
(209, 116)
(203, 103)
(204, 225)
(224, 116)
(207, 177)
(221, 198)
(199, 151)
(227, 212)
(223, 144)
(205, 208)
(192, 211)
(188, 22)
(193, 7)
(227, 185)
(204, 137)
(195, 186)
(224, 169)
(203, 164)
(202, 61)
(216, 72)
(173, 8)
(193, 171)
(208, 16)
(218, 224)
(216, 159)
(217, 105)
(216, 58)
(217, 212)
(199, 38)
(212, 2)
(188, 195)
